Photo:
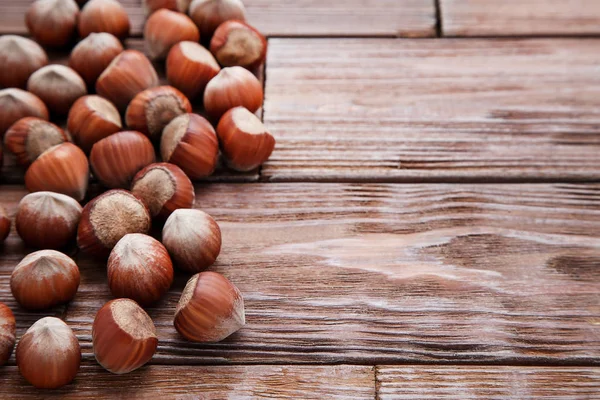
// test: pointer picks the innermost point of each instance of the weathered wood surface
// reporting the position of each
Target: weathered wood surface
(294, 17)
(11, 173)
(499, 383)
(433, 110)
(183, 383)
(376, 274)
(520, 17)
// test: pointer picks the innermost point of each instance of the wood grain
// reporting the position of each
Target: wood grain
(380, 274)
(294, 17)
(520, 17)
(500, 383)
(185, 383)
(433, 110)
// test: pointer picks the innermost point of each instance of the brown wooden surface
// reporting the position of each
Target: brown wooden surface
(520, 17)
(422, 110)
(501, 383)
(183, 383)
(369, 274)
(295, 17)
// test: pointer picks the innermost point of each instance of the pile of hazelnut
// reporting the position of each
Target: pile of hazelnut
(115, 225)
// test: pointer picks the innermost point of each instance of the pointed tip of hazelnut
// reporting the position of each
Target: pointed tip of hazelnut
(58, 86)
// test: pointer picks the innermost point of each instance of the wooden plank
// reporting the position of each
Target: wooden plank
(294, 17)
(520, 17)
(11, 173)
(387, 274)
(239, 382)
(433, 110)
(500, 383)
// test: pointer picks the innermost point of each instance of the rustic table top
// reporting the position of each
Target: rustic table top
(427, 227)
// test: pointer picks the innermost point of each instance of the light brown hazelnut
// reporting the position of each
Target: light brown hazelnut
(19, 58)
(52, 22)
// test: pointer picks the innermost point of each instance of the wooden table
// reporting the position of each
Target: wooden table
(427, 227)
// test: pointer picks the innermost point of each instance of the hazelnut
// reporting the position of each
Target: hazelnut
(245, 141)
(210, 309)
(8, 333)
(232, 87)
(29, 137)
(124, 336)
(139, 268)
(19, 58)
(128, 74)
(47, 220)
(4, 224)
(52, 22)
(166, 28)
(93, 54)
(190, 142)
(91, 119)
(117, 158)
(16, 104)
(58, 87)
(109, 217)
(237, 43)
(209, 14)
(175, 5)
(48, 354)
(164, 188)
(63, 169)
(151, 110)
(44, 279)
(193, 239)
(104, 16)
(190, 67)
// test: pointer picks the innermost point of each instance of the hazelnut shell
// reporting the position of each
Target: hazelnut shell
(19, 58)
(93, 55)
(232, 87)
(211, 308)
(16, 104)
(29, 137)
(236, 43)
(190, 67)
(209, 14)
(52, 22)
(57, 86)
(91, 119)
(104, 16)
(8, 331)
(4, 224)
(166, 28)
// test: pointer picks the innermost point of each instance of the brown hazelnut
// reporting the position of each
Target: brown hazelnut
(190, 67)
(237, 43)
(190, 142)
(109, 217)
(232, 87)
(128, 74)
(63, 169)
(117, 158)
(104, 16)
(209, 14)
(8, 333)
(124, 336)
(47, 220)
(19, 58)
(175, 5)
(164, 188)
(91, 119)
(193, 239)
(139, 268)
(166, 28)
(211, 308)
(16, 104)
(48, 354)
(58, 87)
(4, 224)
(245, 141)
(93, 55)
(29, 137)
(151, 110)
(44, 279)
(52, 22)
